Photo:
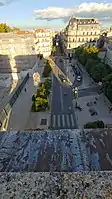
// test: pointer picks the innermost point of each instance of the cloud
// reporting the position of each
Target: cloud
(98, 10)
(5, 2)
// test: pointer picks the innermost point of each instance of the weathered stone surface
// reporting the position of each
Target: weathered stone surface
(56, 185)
(63, 150)
(17, 52)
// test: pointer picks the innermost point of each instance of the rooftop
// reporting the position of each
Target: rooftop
(60, 150)
(83, 21)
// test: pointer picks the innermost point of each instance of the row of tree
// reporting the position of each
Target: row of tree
(40, 99)
(47, 70)
(4, 28)
(99, 71)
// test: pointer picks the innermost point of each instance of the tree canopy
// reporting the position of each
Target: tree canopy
(4, 28)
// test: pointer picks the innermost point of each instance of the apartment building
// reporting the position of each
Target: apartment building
(17, 52)
(80, 31)
(43, 41)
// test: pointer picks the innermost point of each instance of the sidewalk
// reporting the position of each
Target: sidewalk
(21, 109)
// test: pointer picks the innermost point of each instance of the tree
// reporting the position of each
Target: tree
(53, 49)
(47, 84)
(78, 51)
(94, 125)
(91, 50)
(42, 104)
(82, 59)
(98, 72)
(47, 70)
(107, 86)
(90, 63)
(4, 28)
(15, 29)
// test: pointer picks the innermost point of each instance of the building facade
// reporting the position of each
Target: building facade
(43, 41)
(80, 31)
(17, 52)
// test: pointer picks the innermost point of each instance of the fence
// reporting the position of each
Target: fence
(8, 106)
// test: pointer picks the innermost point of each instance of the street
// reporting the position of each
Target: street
(62, 112)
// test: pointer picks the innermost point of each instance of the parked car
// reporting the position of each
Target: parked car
(78, 78)
(92, 111)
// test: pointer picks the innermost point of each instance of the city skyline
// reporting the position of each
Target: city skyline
(54, 14)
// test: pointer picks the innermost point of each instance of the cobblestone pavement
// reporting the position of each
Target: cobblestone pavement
(92, 185)
(61, 150)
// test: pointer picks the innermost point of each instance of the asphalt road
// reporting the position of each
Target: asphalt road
(88, 91)
(61, 116)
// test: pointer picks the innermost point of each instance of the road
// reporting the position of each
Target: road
(88, 91)
(61, 116)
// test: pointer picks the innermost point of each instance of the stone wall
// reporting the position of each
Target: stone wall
(17, 52)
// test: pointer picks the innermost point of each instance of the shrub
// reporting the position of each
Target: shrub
(47, 70)
(34, 97)
(94, 125)
(40, 101)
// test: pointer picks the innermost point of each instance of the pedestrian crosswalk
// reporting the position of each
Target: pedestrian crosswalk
(62, 121)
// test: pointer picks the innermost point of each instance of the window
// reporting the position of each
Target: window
(91, 33)
(95, 33)
(82, 39)
(79, 39)
(73, 40)
(69, 46)
(87, 33)
(83, 33)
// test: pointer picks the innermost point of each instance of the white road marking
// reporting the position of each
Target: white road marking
(54, 120)
(59, 124)
(63, 120)
(72, 120)
(68, 121)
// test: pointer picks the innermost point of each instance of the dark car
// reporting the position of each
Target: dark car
(92, 111)
(62, 78)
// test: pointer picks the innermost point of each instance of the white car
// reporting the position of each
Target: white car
(78, 78)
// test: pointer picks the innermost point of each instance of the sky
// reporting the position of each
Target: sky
(30, 14)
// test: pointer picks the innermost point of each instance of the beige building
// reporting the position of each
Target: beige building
(17, 52)
(43, 41)
(80, 31)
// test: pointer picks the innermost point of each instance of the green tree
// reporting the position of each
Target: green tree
(98, 72)
(15, 29)
(4, 28)
(47, 70)
(42, 103)
(53, 49)
(47, 84)
(107, 86)
(94, 125)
